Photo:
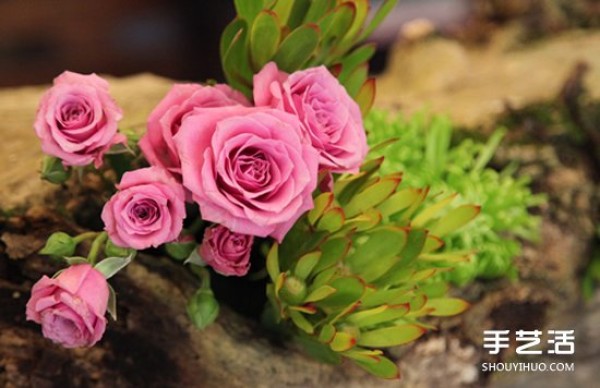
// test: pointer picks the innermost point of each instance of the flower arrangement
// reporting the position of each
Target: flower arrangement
(270, 171)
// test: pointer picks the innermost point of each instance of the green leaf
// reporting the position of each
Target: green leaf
(368, 219)
(320, 294)
(432, 243)
(321, 203)
(399, 201)
(180, 250)
(110, 249)
(432, 211)
(317, 9)
(383, 368)
(381, 13)
(443, 307)
(297, 48)
(111, 265)
(59, 244)
(306, 264)
(327, 333)
(384, 263)
(318, 351)
(390, 336)
(76, 260)
(366, 96)
(332, 220)
(356, 80)
(337, 23)
(373, 195)
(298, 12)
(356, 58)
(229, 33)
(333, 251)
(273, 262)
(324, 277)
(248, 9)
(264, 38)
(392, 296)
(203, 308)
(348, 291)
(379, 315)
(342, 341)
(112, 302)
(455, 219)
(300, 321)
(381, 243)
(236, 63)
(53, 170)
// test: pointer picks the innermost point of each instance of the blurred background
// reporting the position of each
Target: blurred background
(177, 39)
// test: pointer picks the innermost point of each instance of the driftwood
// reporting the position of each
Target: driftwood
(153, 342)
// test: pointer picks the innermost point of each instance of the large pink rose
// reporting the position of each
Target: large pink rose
(77, 119)
(164, 121)
(225, 251)
(147, 211)
(329, 116)
(249, 169)
(70, 307)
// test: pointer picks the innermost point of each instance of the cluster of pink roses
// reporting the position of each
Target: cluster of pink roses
(251, 168)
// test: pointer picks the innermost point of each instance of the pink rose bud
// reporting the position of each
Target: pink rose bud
(248, 169)
(77, 119)
(147, 211)
(225, 251)
(71, 307)
(331, 119)
(164, 121)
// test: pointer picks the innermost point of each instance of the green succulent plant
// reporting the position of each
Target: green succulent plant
(353, 275)
(297, 34)
(429, 158)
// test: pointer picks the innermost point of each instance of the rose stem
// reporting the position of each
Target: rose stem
(98, 242)
(84, 236)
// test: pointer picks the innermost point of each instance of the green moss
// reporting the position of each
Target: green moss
(428, 157)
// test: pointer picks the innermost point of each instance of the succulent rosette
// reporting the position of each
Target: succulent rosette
(77, 119)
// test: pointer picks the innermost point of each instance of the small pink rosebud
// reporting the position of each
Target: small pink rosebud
(71, 307)
(225, 251)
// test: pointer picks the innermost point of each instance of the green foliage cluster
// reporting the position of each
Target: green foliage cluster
(354, 275)
(297, 34)
(428, 157)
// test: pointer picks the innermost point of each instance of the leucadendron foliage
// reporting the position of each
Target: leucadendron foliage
(297, 34)
(354, 275)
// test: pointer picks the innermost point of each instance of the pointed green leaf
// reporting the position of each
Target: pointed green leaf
(390, 336)
(273, 262)
(298, 12)
(448, 257)
(228, 34)
(373, 195)
(337, 23)
(324, 277)
(455, 219)
(327, 333)
(432, 243)
(399, 201)
(390, 296)
(248, 9)
(369, 356)
(111, 265)
(321, 203)
(297, 48)
(383, 10)
(318, 351)
(264, 38)
(390, 313)
(362, 11)
(306, 264)
(356, 58)
(318, 8)
(383, 368)
(111, 307)
(342, 341)
(381, 243)
(384, 263)
(332, 220)
(320, 294)
(333, 251)
(436, 289)
(356, 79)
(348, 291)
(366, 96)
(236, 63)
(432, 211)
(369, 219)
(300, 321)
(443, 307)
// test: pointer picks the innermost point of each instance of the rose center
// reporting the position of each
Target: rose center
(145, 212)
(74, 114)
(252, 169)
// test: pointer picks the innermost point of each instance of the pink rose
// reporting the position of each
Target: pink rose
(148, 210)
(225, 251)
(248, 168)
(70, 307)
(329, 116)
(164, 121)
(77, 119)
